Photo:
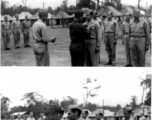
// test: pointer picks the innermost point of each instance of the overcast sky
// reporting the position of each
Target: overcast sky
(55, 3)
(117, 84)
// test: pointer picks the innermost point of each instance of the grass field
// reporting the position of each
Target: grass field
(59, 52)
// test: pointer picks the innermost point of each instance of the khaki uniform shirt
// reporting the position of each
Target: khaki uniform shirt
(94, 30)
(39, 31)
(139, 29)
(25, 26)
(125, 27)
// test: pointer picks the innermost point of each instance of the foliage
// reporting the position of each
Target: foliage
(83, 3)
(90, 92)
(133, 102)
(5, 101)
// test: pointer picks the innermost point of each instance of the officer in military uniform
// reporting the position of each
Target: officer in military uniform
(6, 33)
(41, 40)
(26, 31)
(110, 31)
(125, 40)
(16, 30)
(78, 35)
(139, 40)
(92, 44)
(74, 112)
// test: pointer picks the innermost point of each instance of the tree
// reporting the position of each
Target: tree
(65, 5)
(32, 97)
(3, 6)
(133, 102)
(90, 92)
(24, 2)
(91, 106)
(5, 101)
(83, 3)
(146, 84)
(68, 101)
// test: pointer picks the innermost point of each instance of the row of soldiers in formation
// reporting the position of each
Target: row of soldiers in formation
(15, 28)
(85, 38)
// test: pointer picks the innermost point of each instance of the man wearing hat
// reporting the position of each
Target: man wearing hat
(6, 33)
(74, 112)
(99, 116)
(92, 44)
(85, 114)
(125, 40)
(16, 30)
(26, 31)
(110, 28)
(19, 117)
(41, 40)
(78, 35)
(139, 40)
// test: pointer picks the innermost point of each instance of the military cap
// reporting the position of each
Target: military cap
(70, 107)
(16, 15)
(43, 12)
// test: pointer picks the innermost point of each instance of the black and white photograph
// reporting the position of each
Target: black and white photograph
(112, 95)
(91, 33)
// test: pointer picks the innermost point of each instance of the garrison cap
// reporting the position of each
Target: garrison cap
(43, 12)
(70, 107)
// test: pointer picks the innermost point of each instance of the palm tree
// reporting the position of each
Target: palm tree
(146, 84)
(32, 97)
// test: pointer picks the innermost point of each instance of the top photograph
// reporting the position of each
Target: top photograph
(76, 33)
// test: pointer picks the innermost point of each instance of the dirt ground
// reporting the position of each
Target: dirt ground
(59, 52)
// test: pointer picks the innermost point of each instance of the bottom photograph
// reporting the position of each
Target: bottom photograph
(76, 94)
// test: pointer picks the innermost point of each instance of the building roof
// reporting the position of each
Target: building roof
(107, 113)
(23, 14)
(18, 113)
(120, 113)
(36, 16)
(9, 17)
(65, 15)
(140, 110)
(105, 9)
(127, 10)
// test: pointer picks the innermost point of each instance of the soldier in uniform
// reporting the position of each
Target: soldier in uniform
(41, 40)
(74, 112)
(125, 40)
(78, 35)
(92, 44)
(110, 39)
(26, 31)
(16, 30)
(6, 33)
(139, 40)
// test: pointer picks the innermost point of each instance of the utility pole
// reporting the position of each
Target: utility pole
(103, 109)
(43, 5)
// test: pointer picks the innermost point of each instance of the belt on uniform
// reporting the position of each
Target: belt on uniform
(126, 34)
(138, 36)
(6, 29)
(109, 32)
(16, 28)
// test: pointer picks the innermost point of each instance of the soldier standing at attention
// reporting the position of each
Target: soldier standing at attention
(78, 35)
(92, 44)
(16, 30)
(6, 33)
(125, 40)
(26, 31)
(139, 40)
(110, 39)
(41, 40)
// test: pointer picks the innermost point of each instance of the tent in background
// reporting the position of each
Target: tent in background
(23, 14)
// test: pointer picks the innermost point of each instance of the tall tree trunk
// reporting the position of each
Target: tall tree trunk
(142, 95)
